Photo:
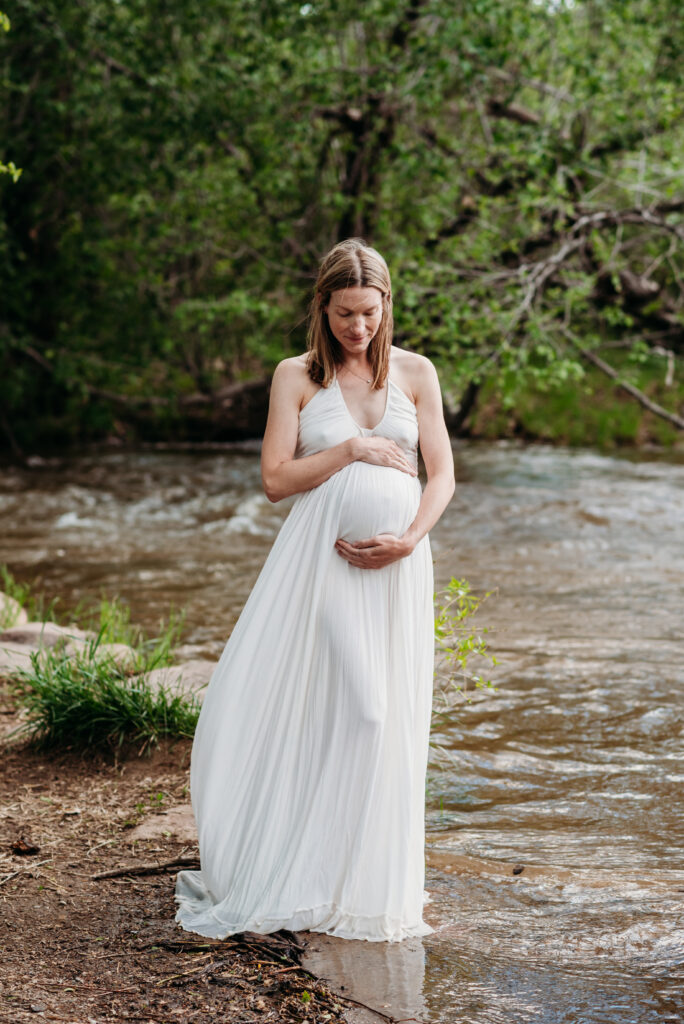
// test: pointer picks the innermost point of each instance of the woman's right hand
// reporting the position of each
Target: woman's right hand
(381, 451)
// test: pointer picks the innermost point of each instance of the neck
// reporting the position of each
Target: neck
(357, 364)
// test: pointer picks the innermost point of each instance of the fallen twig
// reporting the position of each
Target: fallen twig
(202, 969)
(23, 871)
(148, 869)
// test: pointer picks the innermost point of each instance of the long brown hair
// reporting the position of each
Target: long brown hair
(351, 263)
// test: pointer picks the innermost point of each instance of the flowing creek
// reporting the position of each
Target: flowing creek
(572, 770)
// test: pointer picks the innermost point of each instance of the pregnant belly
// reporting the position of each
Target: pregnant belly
(376, 499)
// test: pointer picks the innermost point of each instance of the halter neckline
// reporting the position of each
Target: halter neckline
(382, 419)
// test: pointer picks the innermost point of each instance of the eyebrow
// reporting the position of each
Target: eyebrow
(348, 310)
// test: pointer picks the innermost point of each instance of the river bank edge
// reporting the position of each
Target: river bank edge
(589, 412)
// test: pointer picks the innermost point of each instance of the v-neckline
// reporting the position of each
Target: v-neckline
(352, 418)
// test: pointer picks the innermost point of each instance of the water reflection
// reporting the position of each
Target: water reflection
(388, 976)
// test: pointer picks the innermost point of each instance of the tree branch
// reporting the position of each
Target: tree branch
(532, 83)
(623, 385)
(511, 111)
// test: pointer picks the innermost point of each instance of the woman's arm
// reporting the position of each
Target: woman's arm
(281, 473)
(435, 448)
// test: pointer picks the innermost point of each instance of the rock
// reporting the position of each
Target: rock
(211, 650)
(190, 678)
(13, 657)
(44, 634)
(11, 612)
(123, 655)
(178, 821)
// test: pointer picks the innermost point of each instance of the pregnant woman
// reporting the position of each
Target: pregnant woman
(309, 759)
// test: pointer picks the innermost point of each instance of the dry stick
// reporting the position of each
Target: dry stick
(385, 1016)
(91, 849)
(21, 871)
(176, 946)
(148, 869)
(270, 963)
(203, 968)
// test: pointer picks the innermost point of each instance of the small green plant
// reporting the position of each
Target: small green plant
(19, 592)
(83, 698)
(110, 619)
(87, 703)
(36, 606)
(458, 643)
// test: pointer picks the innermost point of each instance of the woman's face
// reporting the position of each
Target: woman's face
(354, 315)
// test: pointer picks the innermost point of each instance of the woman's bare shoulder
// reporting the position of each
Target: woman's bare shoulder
(411, 371)
(292, 376)
(291, 367)
(403, 358)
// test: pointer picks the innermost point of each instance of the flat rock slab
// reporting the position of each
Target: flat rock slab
(190, 678)
(124, 656)
(177, 821)
(13, 657)
(11, 611)
(121, 654)
(44, 634)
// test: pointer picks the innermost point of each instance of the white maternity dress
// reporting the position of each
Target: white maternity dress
(309, 760)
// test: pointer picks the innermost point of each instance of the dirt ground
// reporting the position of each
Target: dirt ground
(86, 950)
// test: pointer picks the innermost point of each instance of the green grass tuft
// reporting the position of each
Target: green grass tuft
(87, 703)
(36, 607)
(110, 620)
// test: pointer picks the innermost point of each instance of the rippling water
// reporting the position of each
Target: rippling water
(572, 771)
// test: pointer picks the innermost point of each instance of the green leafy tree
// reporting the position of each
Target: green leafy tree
(518, 161)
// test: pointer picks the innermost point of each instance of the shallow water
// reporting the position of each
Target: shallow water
(572, 770)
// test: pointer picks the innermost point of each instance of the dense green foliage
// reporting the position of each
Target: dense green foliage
(185, 165)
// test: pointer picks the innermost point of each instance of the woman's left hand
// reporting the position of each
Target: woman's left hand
(376, 552)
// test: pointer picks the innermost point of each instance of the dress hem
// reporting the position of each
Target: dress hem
(327, 918)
